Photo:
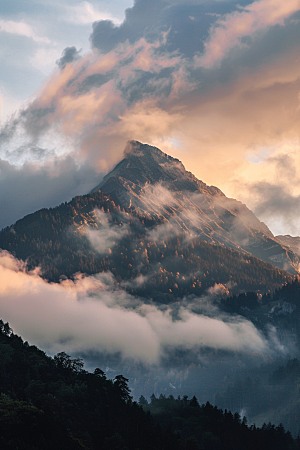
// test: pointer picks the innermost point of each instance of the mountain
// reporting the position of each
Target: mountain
(158, 186)
(162, 234)
(290, 242)
(91, 234)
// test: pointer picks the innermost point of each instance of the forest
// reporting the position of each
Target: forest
(48, 403)
(173, 264)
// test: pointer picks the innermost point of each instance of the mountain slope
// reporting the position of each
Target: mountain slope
(290, 242)
(162, 233)
(91, 234)
(157, 186)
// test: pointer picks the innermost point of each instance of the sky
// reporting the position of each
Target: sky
(213, 83)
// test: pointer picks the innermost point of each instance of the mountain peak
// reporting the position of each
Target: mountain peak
(144, 164)
(157, 185)
(140, 150)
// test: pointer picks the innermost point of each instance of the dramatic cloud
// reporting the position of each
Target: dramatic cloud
(92, 315)
(276, 197)
(106, 35)
(34, 186)
(214, 84)
(69, 55)
(277, 201)
(229, 31)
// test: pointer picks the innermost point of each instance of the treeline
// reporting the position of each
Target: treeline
(55, 239)
(48, 403)
(274, 395)
(289, 292)
(280, 308)
(206, 427)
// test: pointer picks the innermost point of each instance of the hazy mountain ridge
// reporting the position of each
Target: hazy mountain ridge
(290, 242)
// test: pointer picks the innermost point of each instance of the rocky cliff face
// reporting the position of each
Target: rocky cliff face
(157, 185)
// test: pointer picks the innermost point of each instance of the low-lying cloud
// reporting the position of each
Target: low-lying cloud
(91, 314)
(107, 234)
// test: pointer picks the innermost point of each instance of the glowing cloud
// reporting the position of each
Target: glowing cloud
(92, 314)
(255, 17)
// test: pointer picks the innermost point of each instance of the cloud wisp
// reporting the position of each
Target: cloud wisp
(107, 234)
(21, 29)
(232, 30)
(91, 314)
(86, 13)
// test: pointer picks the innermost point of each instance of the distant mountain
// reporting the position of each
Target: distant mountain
(158, 186)
(162, 233)
(290, 242)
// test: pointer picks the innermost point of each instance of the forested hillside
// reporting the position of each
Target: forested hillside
(48, 403)
(65, 240)
(280, 309)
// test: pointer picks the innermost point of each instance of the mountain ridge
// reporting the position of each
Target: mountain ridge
(158, 186)
(161, 243)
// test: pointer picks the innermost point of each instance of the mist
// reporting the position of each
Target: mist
(155, 346)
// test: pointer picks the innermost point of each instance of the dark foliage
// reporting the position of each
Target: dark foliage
(280, 308)
(48, 403)
(208, 428)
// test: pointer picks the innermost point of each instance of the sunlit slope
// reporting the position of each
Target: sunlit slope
(157, 186)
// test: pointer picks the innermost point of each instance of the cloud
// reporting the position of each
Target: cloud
(107, 234)
(275, 193)
(86, 13)
(21, 29)
(229, 31)
(89, 101)
(138, 19)
(69, 55)
(140, 81)
(184, 24)
(276, 201)
(34, 186)
(90, 314)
